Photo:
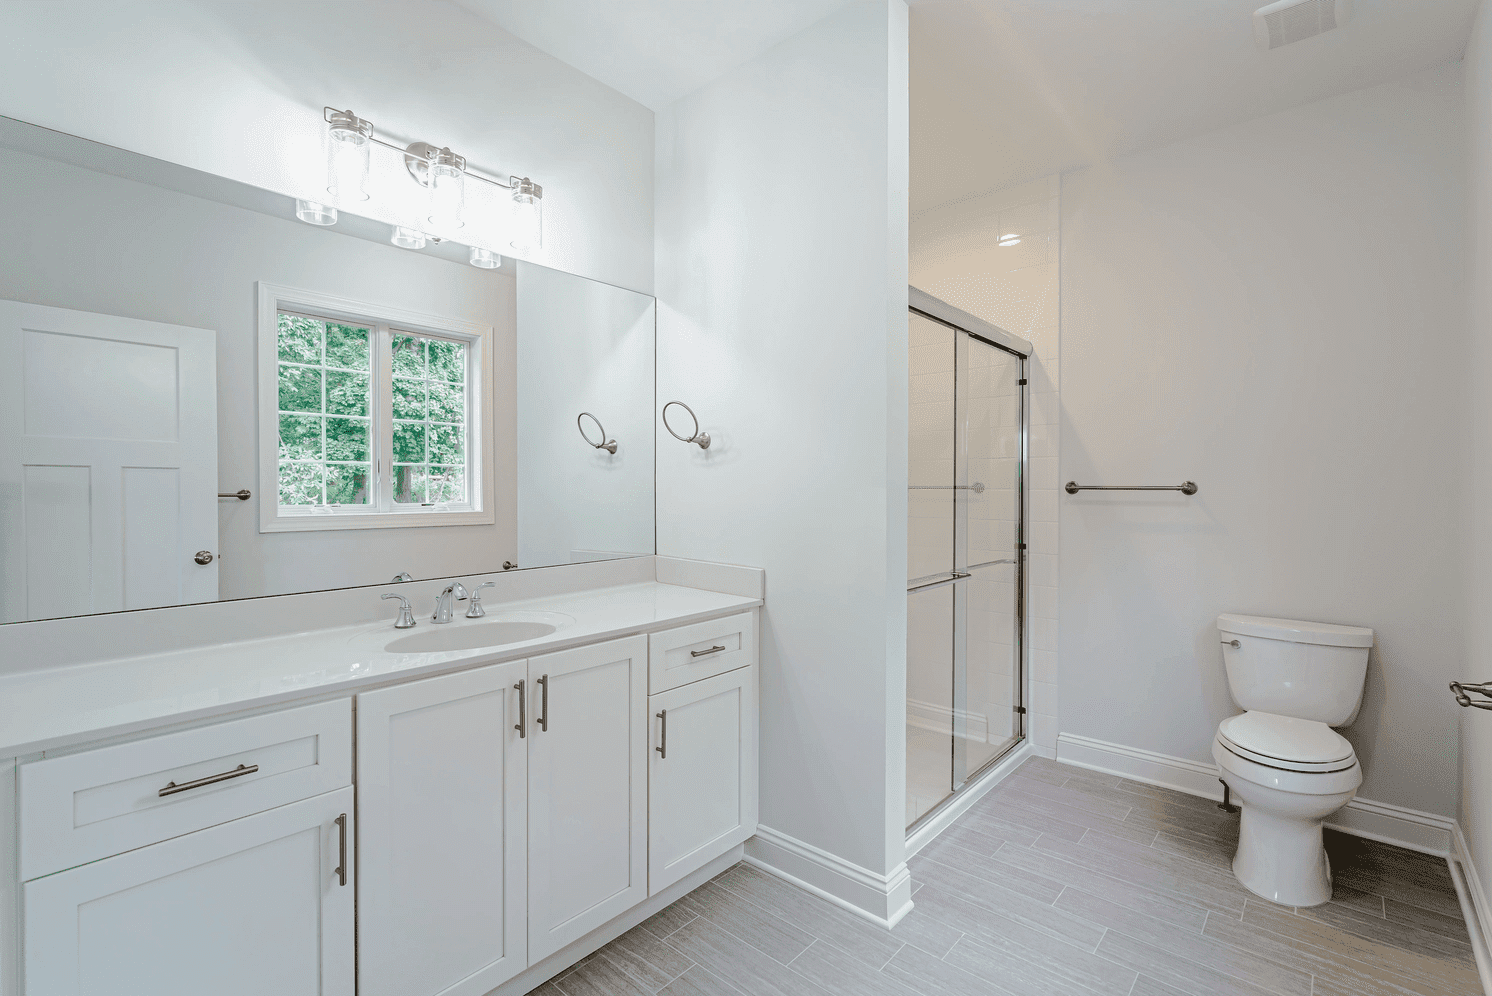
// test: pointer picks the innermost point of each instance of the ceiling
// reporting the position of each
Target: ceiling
(1005, 91)
(654, 51)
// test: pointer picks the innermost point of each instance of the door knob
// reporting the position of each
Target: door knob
(203, 557)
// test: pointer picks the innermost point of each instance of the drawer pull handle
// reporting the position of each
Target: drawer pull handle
(662, 747)
(341, 870)
(705, 653)
(543, 681)
(243, 769)
(522, 710)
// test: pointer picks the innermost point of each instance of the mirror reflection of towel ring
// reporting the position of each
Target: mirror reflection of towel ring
(702, 438)
(609, 445)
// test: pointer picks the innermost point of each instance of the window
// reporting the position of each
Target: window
(367, 416)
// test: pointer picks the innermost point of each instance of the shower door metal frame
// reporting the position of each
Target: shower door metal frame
(929, 307)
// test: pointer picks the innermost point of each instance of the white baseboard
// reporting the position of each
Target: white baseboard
(881, 899)
(971, 794)
(1474, 906)
(1381, 821)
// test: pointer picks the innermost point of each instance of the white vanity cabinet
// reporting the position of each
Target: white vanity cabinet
(702, 785)
(587, 816)
(443, 806)
(257, 905)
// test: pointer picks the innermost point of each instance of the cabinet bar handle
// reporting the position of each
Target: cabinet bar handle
(243, 769)
(341, 871)
(662, 747)
(705, 653)
(522, 726)
(543, 681)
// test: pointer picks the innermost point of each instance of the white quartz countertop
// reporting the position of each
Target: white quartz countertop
(62, 706)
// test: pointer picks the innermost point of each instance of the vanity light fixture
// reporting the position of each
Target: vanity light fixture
(407, 238)
(445, 176)
(314, 212)
(1009, 240)
(528, 206)
(348, 142)
(486, 259)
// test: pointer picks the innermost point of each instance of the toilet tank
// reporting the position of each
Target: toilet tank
(1294, 668)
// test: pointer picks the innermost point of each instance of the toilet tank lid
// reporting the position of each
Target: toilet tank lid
(1295, 630)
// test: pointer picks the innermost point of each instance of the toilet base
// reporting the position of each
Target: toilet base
(1282, 860)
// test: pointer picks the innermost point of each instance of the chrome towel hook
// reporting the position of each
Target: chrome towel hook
(702, 438)
(609, 445)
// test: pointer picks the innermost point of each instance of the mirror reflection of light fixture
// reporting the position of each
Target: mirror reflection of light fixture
(528, 207)
(349, 140)
(1009, 240)
(407, 238)
(314, 212)
(484, 258)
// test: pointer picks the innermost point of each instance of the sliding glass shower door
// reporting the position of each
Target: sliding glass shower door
(964, 559)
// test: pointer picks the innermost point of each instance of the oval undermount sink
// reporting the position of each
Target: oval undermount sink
(476, 634)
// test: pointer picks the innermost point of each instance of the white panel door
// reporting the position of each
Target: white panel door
(442, 789)
(701, 774)
(587, 800)
(108, 463)
(245, 908)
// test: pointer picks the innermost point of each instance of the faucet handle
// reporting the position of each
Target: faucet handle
(475, 610)
(406, 615)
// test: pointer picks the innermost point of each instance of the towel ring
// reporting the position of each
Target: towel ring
(609, 445)
(702, 438)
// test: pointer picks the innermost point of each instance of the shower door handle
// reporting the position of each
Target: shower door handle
(1464, 700)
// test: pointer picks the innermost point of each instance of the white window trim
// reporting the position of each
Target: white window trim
(274, 298)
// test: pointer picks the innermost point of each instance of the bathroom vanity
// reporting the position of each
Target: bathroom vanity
(335, 810)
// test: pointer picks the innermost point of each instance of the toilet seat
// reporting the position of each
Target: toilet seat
(1286, 743)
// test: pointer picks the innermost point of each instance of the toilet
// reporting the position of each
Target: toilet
(1281, 760)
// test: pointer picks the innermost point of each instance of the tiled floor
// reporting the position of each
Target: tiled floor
(1061, 882)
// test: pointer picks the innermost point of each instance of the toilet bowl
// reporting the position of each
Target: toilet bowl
(1281, 759)
(1282, 772)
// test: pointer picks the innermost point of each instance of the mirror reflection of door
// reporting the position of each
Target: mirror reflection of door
(108, 463)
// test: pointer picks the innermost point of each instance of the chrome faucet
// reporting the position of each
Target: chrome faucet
(406, 617)
(475, 610)
(454, 592)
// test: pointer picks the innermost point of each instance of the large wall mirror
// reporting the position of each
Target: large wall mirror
(174, 338)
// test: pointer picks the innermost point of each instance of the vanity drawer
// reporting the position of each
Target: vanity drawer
(82, 807)
(691, 653)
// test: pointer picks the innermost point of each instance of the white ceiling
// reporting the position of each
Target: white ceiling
(1005, 91)
(654, 51)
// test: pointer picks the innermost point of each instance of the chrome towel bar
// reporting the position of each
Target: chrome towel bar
(976, 487)
(1185, 487)
(242, 494)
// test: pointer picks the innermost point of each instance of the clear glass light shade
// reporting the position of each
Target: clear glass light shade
(407, 238)
(315, 213)
(485, 258)
(528, 208)
(349, 141)
(447, 196)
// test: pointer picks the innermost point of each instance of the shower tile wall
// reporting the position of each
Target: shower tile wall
(955, 256)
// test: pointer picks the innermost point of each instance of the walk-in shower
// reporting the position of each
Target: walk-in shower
(965, 552)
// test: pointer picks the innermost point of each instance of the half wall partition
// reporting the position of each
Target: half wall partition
(967, 450)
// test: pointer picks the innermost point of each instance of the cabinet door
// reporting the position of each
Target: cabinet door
(442, 783)
(701, 774)
(244, 908)
(587, 815)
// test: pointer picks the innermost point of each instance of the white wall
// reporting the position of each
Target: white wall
(956, 257)
(1476, 724)
(782, 320)
(126, 248)
(586, 347)
(1275, 311)
(237, 89)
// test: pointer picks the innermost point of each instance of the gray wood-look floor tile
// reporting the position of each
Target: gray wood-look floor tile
(1061, 882)
(643, 955)
(698, 982)
(920, 971)
(764, 931)
(1181, 945)
(731, 958)
(844, 975)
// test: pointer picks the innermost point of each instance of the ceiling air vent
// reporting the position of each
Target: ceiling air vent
(1295, 20)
